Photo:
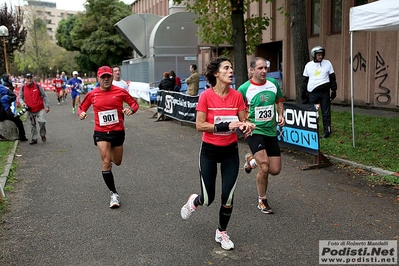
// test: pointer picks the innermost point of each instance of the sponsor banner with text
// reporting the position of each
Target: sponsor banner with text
(177, 105)
(300, 131)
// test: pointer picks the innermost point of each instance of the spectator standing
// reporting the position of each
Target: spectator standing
(173, 76)
(7, 96)
(118, 81)
(264, 99)
(109, 131)
(76, 86)
(166, 83)
(318, 79)
(220, 111)
(35, 98)
(193, 81)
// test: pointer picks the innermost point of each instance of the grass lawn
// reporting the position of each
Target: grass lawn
(376, 140)
(5, 149)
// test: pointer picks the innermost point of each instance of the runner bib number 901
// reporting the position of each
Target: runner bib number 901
(108, 117)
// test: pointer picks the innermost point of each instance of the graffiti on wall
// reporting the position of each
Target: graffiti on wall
(359, 62)
(381, 74)
(383, 95)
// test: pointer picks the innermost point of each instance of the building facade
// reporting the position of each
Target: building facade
(375, 60)
(49, 13)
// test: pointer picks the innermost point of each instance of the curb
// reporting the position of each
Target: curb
(7, 168)
(376, 170)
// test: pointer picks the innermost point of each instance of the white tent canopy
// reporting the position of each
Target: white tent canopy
(382, 15)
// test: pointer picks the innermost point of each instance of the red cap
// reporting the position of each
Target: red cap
(104, 70)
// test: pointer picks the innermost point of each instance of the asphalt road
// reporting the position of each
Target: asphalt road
(59, 212)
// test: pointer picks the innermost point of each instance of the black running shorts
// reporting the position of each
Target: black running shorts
(115, 137)
(258, 142)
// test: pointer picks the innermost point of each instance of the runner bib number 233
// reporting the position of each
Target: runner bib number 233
(264, 113)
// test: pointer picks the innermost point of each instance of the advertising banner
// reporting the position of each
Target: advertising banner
(177, 105)
(300, 131)
(140, 90)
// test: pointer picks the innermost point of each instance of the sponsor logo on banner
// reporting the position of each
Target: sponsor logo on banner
(300, 130)
(177, 105)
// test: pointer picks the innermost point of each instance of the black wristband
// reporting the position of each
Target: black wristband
(222, 127)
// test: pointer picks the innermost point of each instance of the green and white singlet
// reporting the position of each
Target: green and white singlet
(261, 100)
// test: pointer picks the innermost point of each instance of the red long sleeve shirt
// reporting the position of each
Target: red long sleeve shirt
(107, 107)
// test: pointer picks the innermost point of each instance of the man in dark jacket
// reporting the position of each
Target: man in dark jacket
(7, 96)
(166, 83)
(6, 82)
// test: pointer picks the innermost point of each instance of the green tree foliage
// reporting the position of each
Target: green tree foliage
(93, 34)
(13, 20)
(63, 33)
(37, 48)
(42, 56)
(224, 22)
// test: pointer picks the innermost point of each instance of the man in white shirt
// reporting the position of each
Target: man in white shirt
(116, 70)
(318, 79)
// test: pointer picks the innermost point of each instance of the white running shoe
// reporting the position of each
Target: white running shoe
(189, 207)
(115, 202)
(224, 240)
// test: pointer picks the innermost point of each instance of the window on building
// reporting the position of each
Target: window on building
(315, 11)
(361, 2)
(336, 16)
(48, 13)
(48, 21)
(39, 13)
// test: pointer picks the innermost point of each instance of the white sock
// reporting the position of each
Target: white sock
(261, 198)
(252, 163)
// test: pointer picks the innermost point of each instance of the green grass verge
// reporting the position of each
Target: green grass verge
(5, 149)
(376, 142)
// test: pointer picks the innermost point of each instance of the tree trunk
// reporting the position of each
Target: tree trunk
(239, 42)
(299, 42)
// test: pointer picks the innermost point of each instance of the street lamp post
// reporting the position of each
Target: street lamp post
(4, 34)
